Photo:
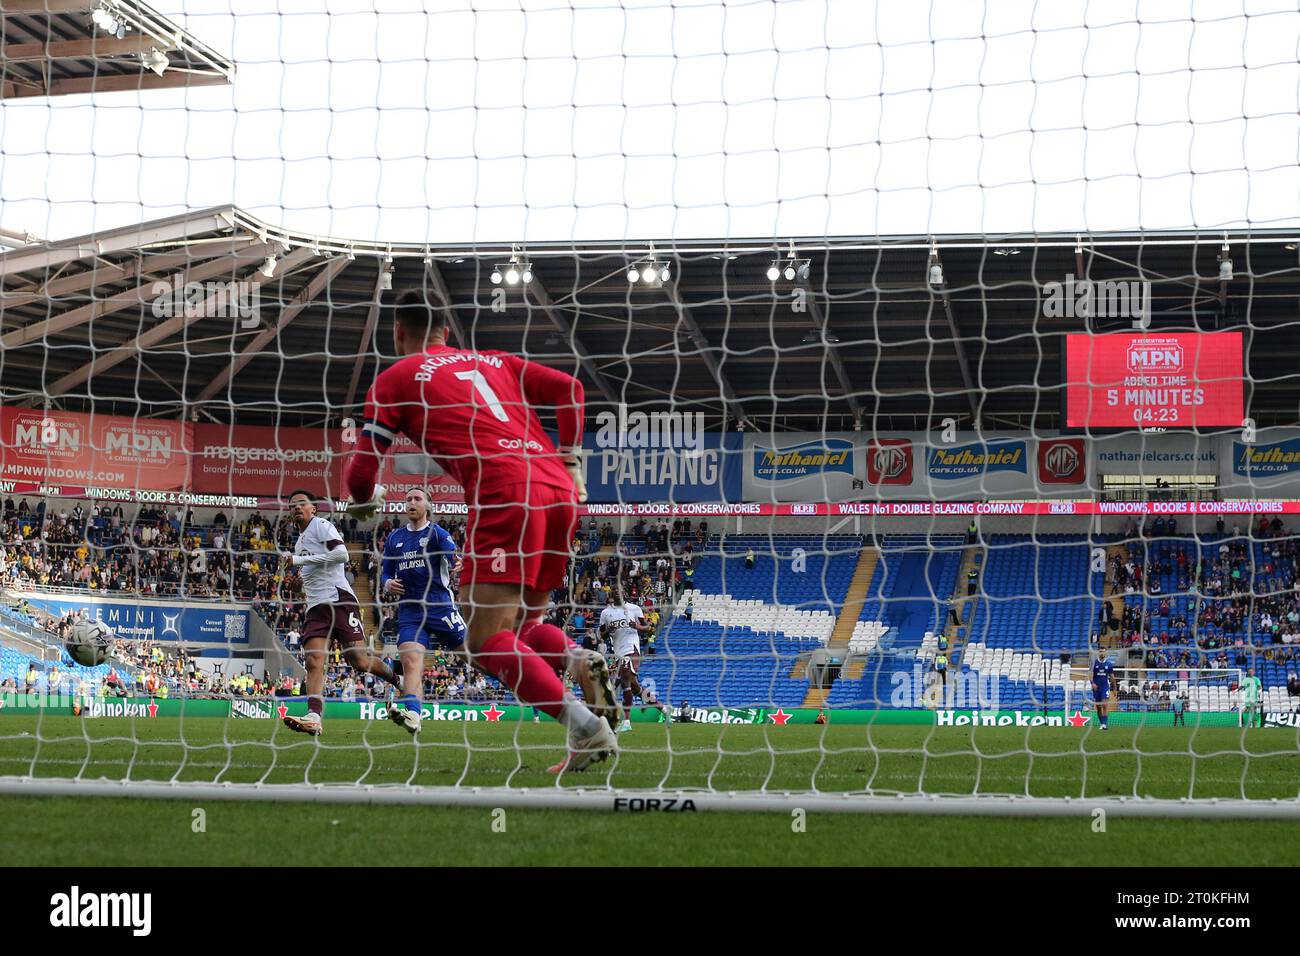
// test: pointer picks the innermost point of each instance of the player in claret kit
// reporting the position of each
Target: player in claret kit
(1103, 679)
(419, 559)
(624, 623)
(333, 613)
(473, 411)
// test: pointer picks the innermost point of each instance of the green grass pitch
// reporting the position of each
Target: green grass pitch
(1150, 761)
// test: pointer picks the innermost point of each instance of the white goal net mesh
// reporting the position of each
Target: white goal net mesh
(926, 353)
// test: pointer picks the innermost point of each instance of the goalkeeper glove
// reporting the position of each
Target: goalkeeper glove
(572, 459)
(365, 510)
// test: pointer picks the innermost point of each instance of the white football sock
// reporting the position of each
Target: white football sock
(576, 718)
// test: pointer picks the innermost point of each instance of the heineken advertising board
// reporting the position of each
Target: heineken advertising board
(276, 708)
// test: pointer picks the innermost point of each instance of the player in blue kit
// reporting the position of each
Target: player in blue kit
(419, 559)
(1103, 678)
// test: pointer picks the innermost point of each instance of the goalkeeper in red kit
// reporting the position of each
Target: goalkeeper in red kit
(473, 411)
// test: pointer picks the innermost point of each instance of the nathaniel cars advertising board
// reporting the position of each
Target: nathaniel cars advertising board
(1173, 453)
(860, 466)
(1271, 462)
(805, 466)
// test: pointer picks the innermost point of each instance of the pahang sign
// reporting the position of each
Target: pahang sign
(660, 456)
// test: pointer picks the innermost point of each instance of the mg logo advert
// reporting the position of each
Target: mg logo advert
(889, 461)
(1061, 461)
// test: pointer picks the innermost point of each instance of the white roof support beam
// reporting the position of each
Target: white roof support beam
(367, 335)
(137, 296)
(304, 298)
(537, 291)
(178, 229)
(705, 352)
(165, 330)
(439, 286)
(833, 353)
(105, 273)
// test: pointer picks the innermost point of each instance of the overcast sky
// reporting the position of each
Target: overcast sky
(414, 120)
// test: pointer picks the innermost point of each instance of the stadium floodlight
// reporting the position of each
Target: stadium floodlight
(935, 274)
(386, 274)
(103, 17)
(1225, 264)
(155, 60)
(268, 267)
(651, 272)
(790, 268)
(512, 272)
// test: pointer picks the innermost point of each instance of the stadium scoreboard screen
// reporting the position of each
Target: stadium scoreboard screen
(1154, 381)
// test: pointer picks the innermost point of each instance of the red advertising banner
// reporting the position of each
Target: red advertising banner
(265, 460)
(407, 466)
(887, 509)
(51, 447)
(1156, 381)
(1062, 461)
(889, 461)
(275, 462)
(1242, 506)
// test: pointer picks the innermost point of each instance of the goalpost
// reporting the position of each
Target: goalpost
(1161, 696)
(827, 309)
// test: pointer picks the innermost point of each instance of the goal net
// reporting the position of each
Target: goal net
(1168, 697)
(925, 353)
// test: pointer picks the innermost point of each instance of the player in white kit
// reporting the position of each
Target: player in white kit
(332, 609)
(623, 622)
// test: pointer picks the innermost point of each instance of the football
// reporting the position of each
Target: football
(89, 642)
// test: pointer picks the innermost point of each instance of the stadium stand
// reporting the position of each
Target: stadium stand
(749, 627)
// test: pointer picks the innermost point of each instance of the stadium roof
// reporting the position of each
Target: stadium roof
(865, 335)
(54, 48)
